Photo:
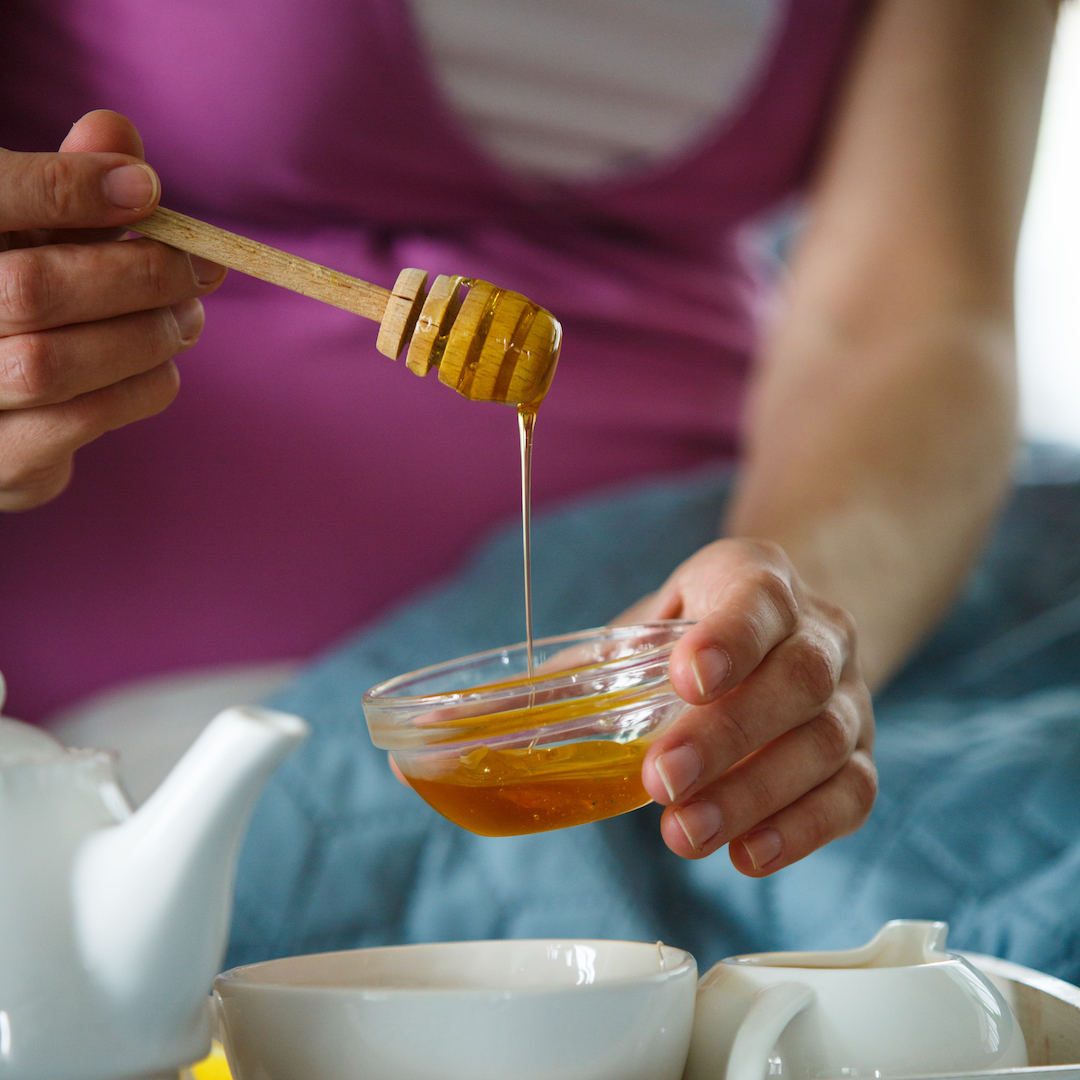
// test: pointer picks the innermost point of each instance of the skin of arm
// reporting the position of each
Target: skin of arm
(882, 427)
(880, 433)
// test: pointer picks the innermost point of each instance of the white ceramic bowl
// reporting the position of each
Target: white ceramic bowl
(483, 1010)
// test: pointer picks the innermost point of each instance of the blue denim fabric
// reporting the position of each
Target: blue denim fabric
(978, 820)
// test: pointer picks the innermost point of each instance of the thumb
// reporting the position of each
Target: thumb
(78, 189)
(104, 130)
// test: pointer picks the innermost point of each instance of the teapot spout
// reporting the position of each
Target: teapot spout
(153, 895)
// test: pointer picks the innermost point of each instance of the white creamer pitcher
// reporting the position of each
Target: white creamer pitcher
(899, 1006)
(113, 924)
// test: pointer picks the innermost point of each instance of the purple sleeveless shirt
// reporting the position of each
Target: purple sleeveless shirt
(302, 482)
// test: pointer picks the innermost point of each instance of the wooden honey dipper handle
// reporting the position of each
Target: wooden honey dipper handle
(494, 345)
(395, 309)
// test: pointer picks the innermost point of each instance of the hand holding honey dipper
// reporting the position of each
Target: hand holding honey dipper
(89, 327)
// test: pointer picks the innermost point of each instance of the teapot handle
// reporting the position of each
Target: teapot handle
(772, 1010)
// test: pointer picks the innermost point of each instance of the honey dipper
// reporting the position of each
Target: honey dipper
(490, 345)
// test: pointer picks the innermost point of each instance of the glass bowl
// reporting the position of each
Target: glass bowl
(501, 754)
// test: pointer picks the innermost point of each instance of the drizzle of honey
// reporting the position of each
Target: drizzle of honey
(534, 789)
(526, 425)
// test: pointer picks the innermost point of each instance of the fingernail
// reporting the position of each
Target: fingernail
(205, 271)
(711, 668)
(700, 821)
(678, 769)
(189, 318)
(762, 846)
(130, 186)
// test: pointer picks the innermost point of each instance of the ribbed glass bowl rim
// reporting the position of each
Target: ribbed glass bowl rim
(381, 695)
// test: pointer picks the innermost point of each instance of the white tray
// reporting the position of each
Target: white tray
(1049, 1013)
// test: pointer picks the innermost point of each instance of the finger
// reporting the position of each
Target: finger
(788, 688)
(753, 610)
(30, 238)
(103, 130)
(396, 770)
(36, 444)
(762, 784)
(99, 131)
(833, 809)
(26, 238)
(74, 191)
(61, 284)
(54, 366)
(649, 608)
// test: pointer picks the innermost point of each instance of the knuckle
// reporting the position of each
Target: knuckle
(166, 386)
(843, 620)
(776, 589)
(134, 398)
(737, 733)
(768, 551)
(88, 414)
(25, 294)
(750, 637)
(819, 824)
(862, 781)
(162, 335)
(153, 271)
(813, 670)
(172, 384)
(833, 734)
(56, 194)
(148, 394)
(150, 339)
(846, 621)
(28, 370)
(760, 792)
(30, 476)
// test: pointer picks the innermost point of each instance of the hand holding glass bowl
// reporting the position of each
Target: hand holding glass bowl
(748, 718)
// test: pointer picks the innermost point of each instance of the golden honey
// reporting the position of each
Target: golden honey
(533, 789)
(496, 345)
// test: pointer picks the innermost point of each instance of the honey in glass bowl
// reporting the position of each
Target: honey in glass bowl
(501, 754)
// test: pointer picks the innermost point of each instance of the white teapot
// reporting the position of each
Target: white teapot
(113, 924)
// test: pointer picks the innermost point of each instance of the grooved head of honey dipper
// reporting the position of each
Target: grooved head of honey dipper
(501, 347)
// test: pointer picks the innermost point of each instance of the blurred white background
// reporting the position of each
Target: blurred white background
(1048, 274)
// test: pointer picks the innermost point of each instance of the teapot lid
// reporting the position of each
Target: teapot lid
(22, 744)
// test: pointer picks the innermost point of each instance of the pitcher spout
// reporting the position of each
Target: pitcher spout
(153, 894)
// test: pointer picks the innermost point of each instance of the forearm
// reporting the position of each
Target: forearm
(880, 470)
(882, 424)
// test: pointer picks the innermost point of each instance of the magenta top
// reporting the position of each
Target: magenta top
(302, 482)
